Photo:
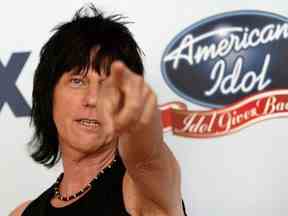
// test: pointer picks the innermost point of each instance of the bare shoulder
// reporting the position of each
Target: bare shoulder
(20, 209)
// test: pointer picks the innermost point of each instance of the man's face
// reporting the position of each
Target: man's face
(74, 112)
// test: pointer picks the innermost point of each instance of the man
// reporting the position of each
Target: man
(93, 109)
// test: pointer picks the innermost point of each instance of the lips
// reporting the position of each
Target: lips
(90, 124)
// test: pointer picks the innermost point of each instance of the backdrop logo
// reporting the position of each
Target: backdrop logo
(9, 92)
(236, 64)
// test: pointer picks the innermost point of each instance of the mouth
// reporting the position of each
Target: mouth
(90, 124)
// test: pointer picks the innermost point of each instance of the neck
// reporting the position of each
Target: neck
(80, 169)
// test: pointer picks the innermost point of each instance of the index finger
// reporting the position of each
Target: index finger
(122, 76)
(117, 74)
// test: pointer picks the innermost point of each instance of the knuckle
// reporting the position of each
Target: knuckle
(135, 106)
(143, 122)
(133, 120)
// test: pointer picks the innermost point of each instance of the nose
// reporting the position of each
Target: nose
(90, 98)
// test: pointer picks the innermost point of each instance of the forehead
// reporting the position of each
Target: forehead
(85, 73)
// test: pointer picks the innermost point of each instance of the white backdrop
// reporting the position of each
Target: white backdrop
(243, 173)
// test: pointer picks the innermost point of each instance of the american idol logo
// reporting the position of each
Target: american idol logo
(224, 58)
(235, 63)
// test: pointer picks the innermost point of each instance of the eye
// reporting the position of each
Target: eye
(77, 82)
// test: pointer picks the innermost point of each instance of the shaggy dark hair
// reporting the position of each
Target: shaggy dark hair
(70, 48)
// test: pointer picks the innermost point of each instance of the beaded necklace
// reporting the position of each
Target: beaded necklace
(83, 190)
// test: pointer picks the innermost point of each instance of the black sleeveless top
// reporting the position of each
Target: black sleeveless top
(105, 197)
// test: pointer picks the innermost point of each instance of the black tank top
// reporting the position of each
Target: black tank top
(104, 198)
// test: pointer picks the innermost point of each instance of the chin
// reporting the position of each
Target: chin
(88, 147)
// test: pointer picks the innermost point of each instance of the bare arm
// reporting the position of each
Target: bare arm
(149, 162)
(20, 209)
